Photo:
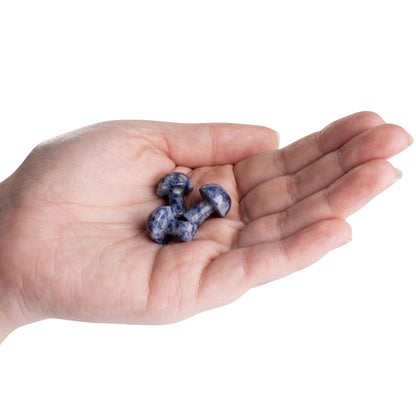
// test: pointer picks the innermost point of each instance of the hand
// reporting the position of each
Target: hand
(73, 243)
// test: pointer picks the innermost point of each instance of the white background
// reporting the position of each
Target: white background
(337, 338)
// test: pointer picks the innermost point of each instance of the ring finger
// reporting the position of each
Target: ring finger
(339, 200)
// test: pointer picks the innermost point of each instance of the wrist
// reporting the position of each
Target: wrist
(3, 334)
(12, 306)
(8, 318)
(11, 315)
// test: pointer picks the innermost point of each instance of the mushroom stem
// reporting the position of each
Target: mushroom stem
(177, 201)
(199, 213)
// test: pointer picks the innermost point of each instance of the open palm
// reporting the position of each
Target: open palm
(75, 243)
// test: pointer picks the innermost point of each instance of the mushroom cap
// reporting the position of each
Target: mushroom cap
(158, 224)
(218, 198)
(174, 180)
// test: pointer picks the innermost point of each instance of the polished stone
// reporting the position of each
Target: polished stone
(175, 186)
(215, 199)
(163, 224)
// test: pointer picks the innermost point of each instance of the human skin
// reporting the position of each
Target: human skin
(73, 241)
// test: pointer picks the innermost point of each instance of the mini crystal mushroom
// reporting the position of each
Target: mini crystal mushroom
(175, 185)
(162, 224)
(215, 199)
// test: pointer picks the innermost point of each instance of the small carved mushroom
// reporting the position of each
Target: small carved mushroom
(175, 186)
(162, 224)
(215, 199)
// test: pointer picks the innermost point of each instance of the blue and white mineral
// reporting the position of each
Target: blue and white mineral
(163, 224)
(215, 199)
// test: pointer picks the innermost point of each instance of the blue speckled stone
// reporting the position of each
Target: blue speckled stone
(162, 224)
(215, 199)
(175, 185)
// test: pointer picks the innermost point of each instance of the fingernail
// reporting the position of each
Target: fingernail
(410, 139)
(347, 241)
(399, 174)
(278, 136)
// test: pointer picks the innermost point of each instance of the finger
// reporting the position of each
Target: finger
(280, 193)
(340, 200)
(233, 273)
(301, 153)
(195, 145)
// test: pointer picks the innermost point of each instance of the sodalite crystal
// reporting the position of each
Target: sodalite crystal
(166, 222)
(162, 224)
(215, 199)
(175, 186)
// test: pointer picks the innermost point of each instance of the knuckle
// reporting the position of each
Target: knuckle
(293, 187)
